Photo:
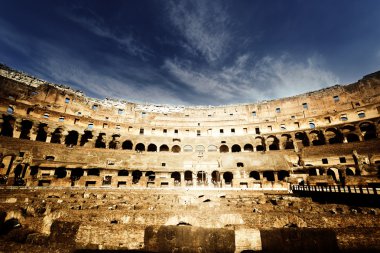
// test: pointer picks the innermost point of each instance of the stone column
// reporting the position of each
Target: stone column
(182, 176)
(17, 128)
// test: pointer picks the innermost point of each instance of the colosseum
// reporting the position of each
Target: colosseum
(80, 174)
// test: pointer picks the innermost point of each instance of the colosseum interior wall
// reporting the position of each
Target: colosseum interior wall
(79, 173)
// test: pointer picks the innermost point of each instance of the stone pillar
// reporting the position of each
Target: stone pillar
(275, 174)
(33, 132)
(182, 176)
(17, 128)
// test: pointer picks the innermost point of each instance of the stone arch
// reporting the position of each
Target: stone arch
(351, 137)
(86, 137)
(200, 148)
(368, 130)
(101, 141)
(42, 132)
(212, 148)
(333, 136)
(187, 148)
(140, 147)
(334, 173)
(215, 177)
(56, 136)
(136, 175)
(123, 173)
(301, 136)
(151, 175)
(127, 145)
(255, 175)
(26, 126)
(188, 176)
(76, 174)
(60, 172)
(282, 175)
(272, 142)
(317, 138)
(224, 149)
(164, 148)
(259, 143)
(228, 177)
(248, 147)
(286, 141)
(7, 126)
(152, 148)
(176, 149)
(201, 177)
(235, 148)
(269, 176)
(176, 176)
(114, 143)
(350, 171)
(72, 138)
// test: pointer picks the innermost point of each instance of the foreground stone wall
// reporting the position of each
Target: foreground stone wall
(216, 221)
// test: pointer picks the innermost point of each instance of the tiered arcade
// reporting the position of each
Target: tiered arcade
(52, 135)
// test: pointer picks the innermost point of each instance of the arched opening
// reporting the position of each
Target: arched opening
(287, 142)
(224, 149)
(7, 126)
(140, 147)
(317, 138)
(85, 137)
(255, 175)
(215, 177)
(199, 148)
(282, 175)
(123, 173)
(150, 175)
(26, 126)
(333, 136)
(313, 172)
(333, 173)
(188, 176)
(164, 148)
(93, 172)
(152, 148)
(269, 176)
(18, 170)
(101, 141)
(136, 175)
(248, 148)
(201, 177)
(368, 130)
(176, 176)
(228, 177)
(56, 136)
(76, 174)
(301, 136)
(114, 143)
(272, 142)
(212, 148)
(60, 172)
(72, 138)
(260, 148)
(42, 132)
(235, 148)
(350, 172)
(352, 137)
(187, 148)
(176, 149)
(127, 145)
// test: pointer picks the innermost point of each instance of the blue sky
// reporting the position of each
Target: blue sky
(192, 52)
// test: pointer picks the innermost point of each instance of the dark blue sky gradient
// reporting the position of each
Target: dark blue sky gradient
(192, 52)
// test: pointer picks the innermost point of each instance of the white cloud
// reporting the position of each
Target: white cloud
(248, 81)
(204, 27)
(126, 41)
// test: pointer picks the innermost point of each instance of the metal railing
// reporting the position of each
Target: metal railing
(337, 189)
